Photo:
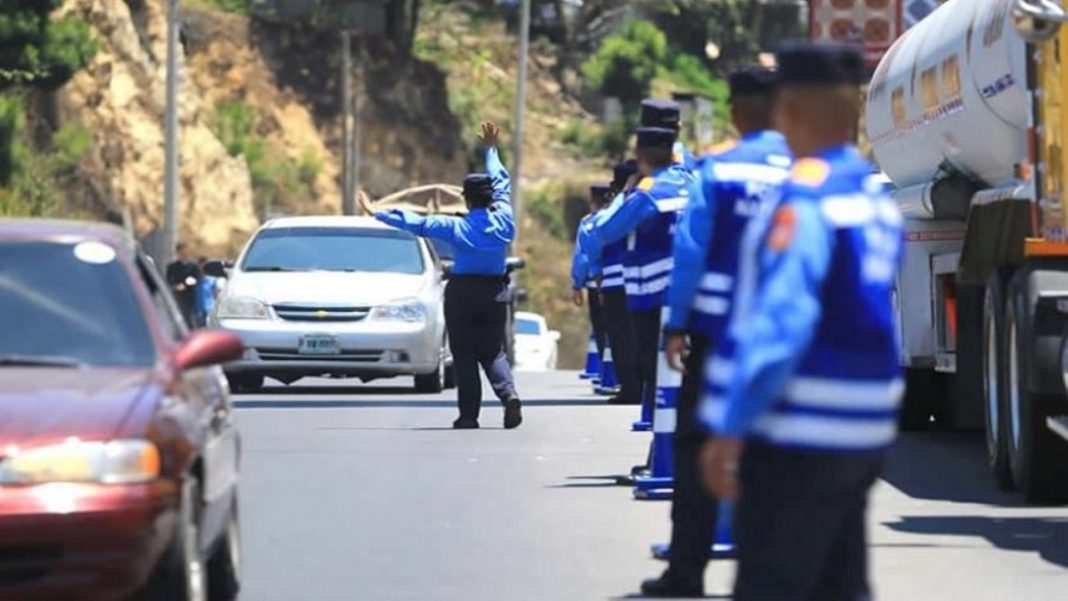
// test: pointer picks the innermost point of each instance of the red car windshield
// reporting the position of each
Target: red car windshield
(69, 304)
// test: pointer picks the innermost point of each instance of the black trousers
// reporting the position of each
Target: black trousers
(647, 336)
(619, 325)
(475, 314)
(800, 525)
(597, 320)
(694, 511)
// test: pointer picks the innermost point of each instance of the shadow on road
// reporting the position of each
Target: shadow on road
(259, 403)
(945, 466)
(1048, 537)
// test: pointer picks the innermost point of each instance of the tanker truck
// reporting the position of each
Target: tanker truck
(965, 117)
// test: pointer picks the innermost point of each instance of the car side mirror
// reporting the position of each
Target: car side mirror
(208, 347)
(521, 296)
(446, 269)
(513, 263)
(554, 335)
(219, 269)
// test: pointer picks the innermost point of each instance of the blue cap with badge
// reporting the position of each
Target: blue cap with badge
(657, 112)
(656, 137)
(753, 81)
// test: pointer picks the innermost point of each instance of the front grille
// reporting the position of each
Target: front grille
(368, 356)
(320, 313)
(24, 565)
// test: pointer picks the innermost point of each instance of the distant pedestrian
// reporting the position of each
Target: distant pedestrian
(476, 298)
(803, 395)
(585, 273)
(183, 275)
(207, 291)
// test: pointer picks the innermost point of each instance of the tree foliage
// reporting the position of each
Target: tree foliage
(627, 62)
(38, 50)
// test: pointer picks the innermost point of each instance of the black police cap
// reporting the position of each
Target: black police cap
(819, 63)
(656, 137)
(753, 81)
(622, 171)
(657, 112)
(599, 190)
(478, 186)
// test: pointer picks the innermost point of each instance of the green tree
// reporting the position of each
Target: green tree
(627, 62)
(38, 50)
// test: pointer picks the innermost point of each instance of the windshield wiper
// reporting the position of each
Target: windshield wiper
(271, 268)
(39, 361)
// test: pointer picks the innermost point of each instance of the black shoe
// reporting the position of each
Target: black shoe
(673, 586)
(465, 423)
(513, 414)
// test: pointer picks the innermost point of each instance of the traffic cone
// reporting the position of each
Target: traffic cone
(723, 543)
(593, 360)
(661, 478)
(609, 383)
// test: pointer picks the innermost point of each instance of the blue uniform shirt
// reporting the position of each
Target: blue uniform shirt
(583, 270)
(732, 183)
(646, 219)
(811, 360)
(479, 239)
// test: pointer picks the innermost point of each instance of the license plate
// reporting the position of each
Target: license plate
(319, 344)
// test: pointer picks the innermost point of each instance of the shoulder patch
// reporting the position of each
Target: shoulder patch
(722, 147)
(810, 172)
(783, 225)
(646, 184)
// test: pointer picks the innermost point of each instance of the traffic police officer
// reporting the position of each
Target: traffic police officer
(584, 273)
(646, 220)
(618, 321)
(477, 293)
(734, 181)
(805, 394)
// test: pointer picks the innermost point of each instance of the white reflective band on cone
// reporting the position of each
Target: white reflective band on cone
(665, 376)
(592, 346)
(608, 354)
(664, 421)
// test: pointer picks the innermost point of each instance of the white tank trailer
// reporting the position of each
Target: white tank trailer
(964, 117)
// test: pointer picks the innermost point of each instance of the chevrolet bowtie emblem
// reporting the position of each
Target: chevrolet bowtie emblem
(322, 314)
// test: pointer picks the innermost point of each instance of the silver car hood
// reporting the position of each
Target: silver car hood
(328, 287)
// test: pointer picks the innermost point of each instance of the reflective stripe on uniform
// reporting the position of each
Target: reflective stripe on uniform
(651, 287)
(844, 395)
(749, 172)
(613, 269)
(825, 431)
(716, 282)
(711, 305)
(643, 272)
(671, 205)
(616, 282)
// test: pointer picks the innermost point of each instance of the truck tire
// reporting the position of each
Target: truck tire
(1039, 459)
(994, 394)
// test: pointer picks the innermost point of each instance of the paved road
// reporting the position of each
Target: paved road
(363, 492)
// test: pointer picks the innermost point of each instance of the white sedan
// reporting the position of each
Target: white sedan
(535, 343)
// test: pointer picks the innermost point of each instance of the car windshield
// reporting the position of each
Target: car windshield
(443, 248)
(527, 326)
(334, 249)
(69, 304)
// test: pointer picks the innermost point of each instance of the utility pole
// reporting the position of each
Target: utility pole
(357, 135)
(348, 178)
(170, 138)
(520, 106)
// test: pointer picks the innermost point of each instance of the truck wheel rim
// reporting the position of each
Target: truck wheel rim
(992, 380)
(1014, 385)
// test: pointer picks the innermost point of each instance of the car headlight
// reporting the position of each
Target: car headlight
(112, 462)
(410, 310)
(242, 307)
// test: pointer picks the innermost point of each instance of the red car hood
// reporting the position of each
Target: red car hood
(38, 405)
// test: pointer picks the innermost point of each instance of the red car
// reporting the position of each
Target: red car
(118, 449)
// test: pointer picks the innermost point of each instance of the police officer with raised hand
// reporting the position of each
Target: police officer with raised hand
(584, 273)
(646, 220)
(735, 180)
(477, 293)
(804, 407)
(659, 112)
(618, 321)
